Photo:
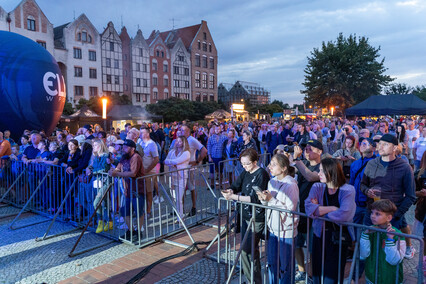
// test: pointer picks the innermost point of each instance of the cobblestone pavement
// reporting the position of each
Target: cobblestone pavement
(24, 260)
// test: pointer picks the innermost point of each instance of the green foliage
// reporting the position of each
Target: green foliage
(420, 91)
(398, 89)
(177, 109)
(344, 72)
(281, 104)
(68, 109)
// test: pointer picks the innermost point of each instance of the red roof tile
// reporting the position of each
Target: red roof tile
(187, 35)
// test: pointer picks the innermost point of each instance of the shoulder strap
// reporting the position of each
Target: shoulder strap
(360, 169)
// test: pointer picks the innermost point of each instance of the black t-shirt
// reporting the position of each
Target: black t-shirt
(331, 200)
(305, 185)
(244, 184)
(332, 134)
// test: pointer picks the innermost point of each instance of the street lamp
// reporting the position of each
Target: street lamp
(332, 110)
(104, 111)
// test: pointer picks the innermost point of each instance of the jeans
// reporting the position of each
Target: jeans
(246, 253)
(281, 258)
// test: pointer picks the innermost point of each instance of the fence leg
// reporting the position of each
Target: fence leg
(13, 184)
(25, 206)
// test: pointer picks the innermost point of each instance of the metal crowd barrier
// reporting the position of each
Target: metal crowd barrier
(231, 248)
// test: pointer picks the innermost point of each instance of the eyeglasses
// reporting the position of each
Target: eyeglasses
(246, 164)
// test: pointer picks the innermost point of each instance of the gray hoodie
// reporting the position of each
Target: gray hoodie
(396, 182)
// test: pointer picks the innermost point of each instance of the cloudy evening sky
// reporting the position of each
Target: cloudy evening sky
(268, 41)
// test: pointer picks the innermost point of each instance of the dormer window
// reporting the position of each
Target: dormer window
(31, 23)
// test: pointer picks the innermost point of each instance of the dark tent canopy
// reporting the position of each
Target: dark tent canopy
(389, 105)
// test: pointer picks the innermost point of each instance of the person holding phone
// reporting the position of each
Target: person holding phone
(243, 190)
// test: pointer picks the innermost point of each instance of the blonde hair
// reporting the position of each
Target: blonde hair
(185, 143)
(103, 149)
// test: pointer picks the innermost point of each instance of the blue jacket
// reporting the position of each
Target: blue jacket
(272, 140)
(360, 198)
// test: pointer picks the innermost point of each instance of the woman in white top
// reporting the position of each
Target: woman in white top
(178, 159)
(282, 193)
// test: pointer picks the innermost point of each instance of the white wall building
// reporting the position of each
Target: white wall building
(77, 50)
(141, 82)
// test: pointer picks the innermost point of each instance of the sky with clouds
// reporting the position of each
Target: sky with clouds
(268, 41)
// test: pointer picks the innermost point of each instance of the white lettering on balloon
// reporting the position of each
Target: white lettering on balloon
(48, 80)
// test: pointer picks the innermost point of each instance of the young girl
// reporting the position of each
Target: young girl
(282, 193)
(178, 158)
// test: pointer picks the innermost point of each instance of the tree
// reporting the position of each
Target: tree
(398, 89)
(344, 72)
(177, 109)
(68, 109)
(281, 104)
(420, 91)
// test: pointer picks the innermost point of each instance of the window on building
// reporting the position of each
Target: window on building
(176, 83)
(145, 67)
(155, 81)
(181, 58)
(186, 84)
(197, 60)
(92, 73)
(197, 80)
(186, 71)
(78, 72)
(165, 68)
(92, 55)
(138, 67)
(125, 57)
(211, 97)
(166, 82)
(116, 80)
(42, 43)
(166, 94)
(108, 62)
(31, 24)
(211, 61)
(162, 54)
(77, 53)
(108, 79)
(176, 69)
(78, 91)
(199, 45)
(138, 82)
(89, 38)
(154, 66)
(205, 36)
(155, 95)
(84, 36)
(204, 80)
(145, 82)
(158, 53)
(93, 91)
(211, 81)
(198, 97)
(204, 61)
(140, 51)
(204, 46)
(116, 64)
(111, 46)
(138, 98)
(204, 97)
(145, 98)
(210, 47)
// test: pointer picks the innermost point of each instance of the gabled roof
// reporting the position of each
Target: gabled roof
(58, 34)
(187, 34)
(23, 1)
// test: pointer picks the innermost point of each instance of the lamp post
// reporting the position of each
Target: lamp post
(104, 111)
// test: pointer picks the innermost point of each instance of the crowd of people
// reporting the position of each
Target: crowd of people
(367, 171)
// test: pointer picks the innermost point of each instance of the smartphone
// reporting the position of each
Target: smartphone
(256, 188)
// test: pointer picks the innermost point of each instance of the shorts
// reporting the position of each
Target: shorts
(151, 183)
(301, 239)
(138, 204)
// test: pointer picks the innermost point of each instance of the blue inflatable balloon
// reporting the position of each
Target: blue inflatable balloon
(32, 89)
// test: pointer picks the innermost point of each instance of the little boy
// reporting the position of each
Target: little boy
(392, 248)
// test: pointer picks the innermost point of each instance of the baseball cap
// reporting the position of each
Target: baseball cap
(129, 143)
(315, 143)
(390, 139)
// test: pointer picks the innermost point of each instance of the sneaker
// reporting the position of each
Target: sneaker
(300, 276)
(156, 200)
(123, 227)
(409, 253)
(193, 212)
